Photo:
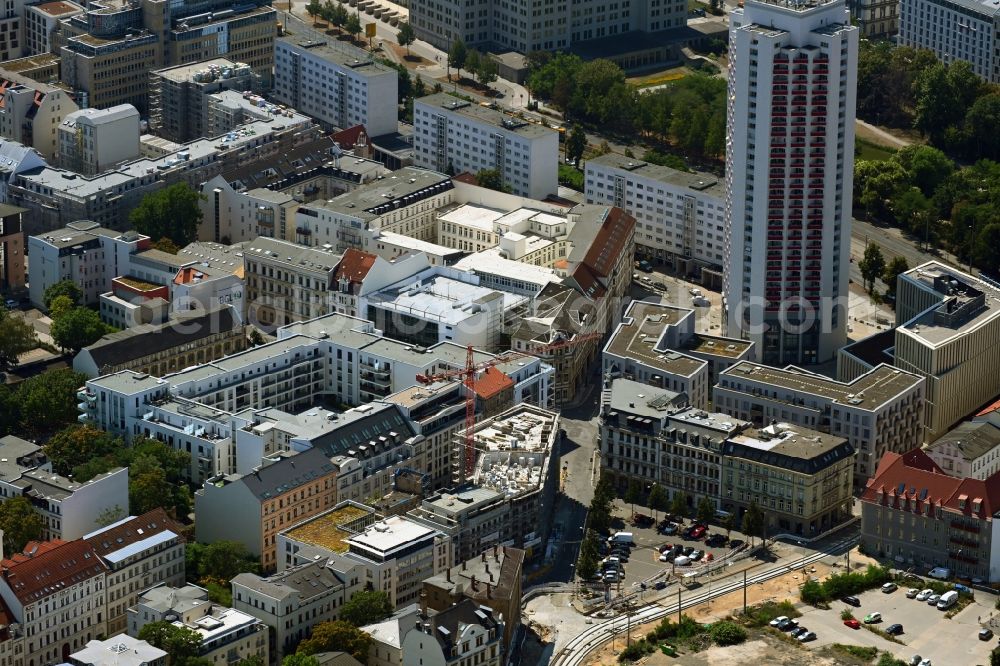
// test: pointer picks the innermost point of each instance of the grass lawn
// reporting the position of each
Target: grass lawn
(872, 152)
(570, 176)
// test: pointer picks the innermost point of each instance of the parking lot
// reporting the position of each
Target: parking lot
(644, 564)
(926, 630)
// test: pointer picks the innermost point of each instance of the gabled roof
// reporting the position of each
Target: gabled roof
(348, 138)
(354, 265)
(913, 479)
(287, 474)
(491, 382)
(610, 240)
(131, 530)
(46, 568)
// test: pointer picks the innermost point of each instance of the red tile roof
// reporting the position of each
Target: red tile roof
(45, 568)
(491, 382)
(348, 138)
(989, 409)
(132, 530)
(914, 479)
(610, 241)
(354, 265)
(466, 177)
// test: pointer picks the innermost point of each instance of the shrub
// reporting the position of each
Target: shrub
(888, 660)
(727, 633)
(635, 651)
(846, 614)
(813, 593)
(863, 653)
(760, 616)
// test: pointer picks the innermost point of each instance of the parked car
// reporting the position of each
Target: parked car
(852, 623)
(852, 601)
(985, 634)
(925, 662)
(687, 551)
(664, 557)
(808, 636)
(797, 631)
(10, 304)
(709, 557)
(665, 547)
(642, 520)
(788, 624)
(668, 528)
(933, 599)
(716, 540)
(924, 594)
(778, 620)
(682, 561)
(889, 587)
(873, 618)
(660, 285)
(915, 660)
(660, 585)
(947, 600)
(696, 555)
(912, 593)
(894, 629)
(736, 543)
(698, 531)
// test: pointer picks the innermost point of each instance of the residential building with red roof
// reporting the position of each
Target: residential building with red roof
(139, 552)
(56, 591)
(917, 515)
(348, 278)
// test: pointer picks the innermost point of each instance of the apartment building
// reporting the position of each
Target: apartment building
(84, 253)
(801, 479)
(41, 20)
(12, 255)
(970, 450)
(915, 514)
(651, 436)
(679, 215)
(403, 202)
(69, 509)
(240, 214)
(227, 635)
(57, 592)
(953, 31)
(252, 509)
(793, 72)
(878, 412)
(32, 112)
(498, 27)
(164, 348)
(120, 650)
(876, 18)
(43, 68)
(179, 95)
(139, 552)
(350, 277)
(94, 140)
(339, 85)
(493, 579)
(454, 136)
(293, 601)
(387, 636)
(465, 633)
(150, 35)
(286, 282)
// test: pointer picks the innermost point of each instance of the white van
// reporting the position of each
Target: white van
(941, 573)
(622, 537)
(947, 600)
(682, 560)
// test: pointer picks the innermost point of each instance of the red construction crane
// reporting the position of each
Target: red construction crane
(468, 375)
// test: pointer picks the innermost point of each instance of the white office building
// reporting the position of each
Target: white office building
(789, 169)
(679, 216)
(337, 84)
(954, 30)
(453, 136)
(92, 141)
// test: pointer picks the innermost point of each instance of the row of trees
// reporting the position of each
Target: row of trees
(905, 88)
(874, 266)
(690, 113)
(482, 67)
(921, 190)
(41, 404)
(335, 14)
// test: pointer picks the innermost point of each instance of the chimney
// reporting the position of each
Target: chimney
(447, 574)
(475, 583)
(484, 556)
(489, 590)
(496, 552)
(463, 565)
(423, 603)
(487, 566)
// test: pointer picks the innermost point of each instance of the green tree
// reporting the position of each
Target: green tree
(576, 144)
(171, 212)
(487, 70)
(679, 504)
(313, 9)
(148, 487)
(727, 633)
(491, 179)
(995, 657)
(715, 7)
(456, 56)
(66, 288)
(78, 444)
(913, 211)
(47, 402)
(166, 245)
(16, 337)
(658, 499)
(706, 510)
(252, 660)
(78, 328)
(728, 522)
(337, 636)
(753, 522)
(586, 564)
(895, 266)
(60, 305)
(472, 59)
(353, 26)
(633, 494)
(981, 122)
(928, 167)
(20, 524)
(299, 660)
(180, 643)
(339, 15)
(987, 249)
(327, 11)
(406, 35)
(110, 515)
(366, 607)
(224, 559)
(812, 593)
(872, 266)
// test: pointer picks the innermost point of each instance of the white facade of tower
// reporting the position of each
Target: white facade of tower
(789, 175)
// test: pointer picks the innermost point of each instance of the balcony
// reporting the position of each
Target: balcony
(957, 525)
